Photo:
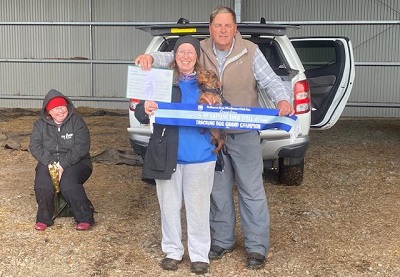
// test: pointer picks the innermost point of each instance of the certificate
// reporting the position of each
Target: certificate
(154, 84)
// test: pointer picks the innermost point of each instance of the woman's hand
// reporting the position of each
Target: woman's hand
(150, 107)
(60, 172)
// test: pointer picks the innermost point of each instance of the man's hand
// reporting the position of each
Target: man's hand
(145, 61)
(285, 108)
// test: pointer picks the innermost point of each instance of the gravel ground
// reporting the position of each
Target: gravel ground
(343, 221)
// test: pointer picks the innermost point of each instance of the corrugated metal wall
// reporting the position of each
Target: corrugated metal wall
(102, 51)
(126, 43)
(375, 84)
(108, 49)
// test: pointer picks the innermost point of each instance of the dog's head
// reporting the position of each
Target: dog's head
(210, 87)
(208, 79)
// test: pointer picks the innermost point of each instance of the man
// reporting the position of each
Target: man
(240, 66)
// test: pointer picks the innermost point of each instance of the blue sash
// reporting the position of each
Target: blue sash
(222, 117)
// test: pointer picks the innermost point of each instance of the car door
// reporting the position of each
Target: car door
(329, 67)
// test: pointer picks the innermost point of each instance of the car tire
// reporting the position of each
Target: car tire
(290, 174)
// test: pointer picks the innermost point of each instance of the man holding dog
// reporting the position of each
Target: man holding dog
(241, 66)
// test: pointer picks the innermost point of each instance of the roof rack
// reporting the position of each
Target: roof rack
(184, 27)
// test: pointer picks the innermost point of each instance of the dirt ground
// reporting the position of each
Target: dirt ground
(343, 221)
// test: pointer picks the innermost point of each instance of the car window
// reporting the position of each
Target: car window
(272, 53)
(168, 45)
(316, 56)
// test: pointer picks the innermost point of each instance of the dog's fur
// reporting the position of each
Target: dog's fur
(208, 80)
(210, 87)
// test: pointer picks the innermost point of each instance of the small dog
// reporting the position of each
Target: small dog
(211, 94)
(210, 87)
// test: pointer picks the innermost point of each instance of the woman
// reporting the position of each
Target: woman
(182, 162)
(61, 138)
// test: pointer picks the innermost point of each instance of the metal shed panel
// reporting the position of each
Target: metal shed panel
(118, 43)
(133, 42)
(44, 42)
(35, 79)
(155, 10)
(53, 42)
(21, 103)
(44, 10)
(377, 84)
(321, 10)
(37, 104)
(372, 43)
(110, 80)
(126, 43)
(371, 112)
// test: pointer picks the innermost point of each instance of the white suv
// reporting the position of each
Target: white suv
(319, 71)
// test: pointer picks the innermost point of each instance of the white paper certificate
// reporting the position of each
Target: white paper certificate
(154, 84)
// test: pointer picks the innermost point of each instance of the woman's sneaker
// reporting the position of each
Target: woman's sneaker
(169, 264)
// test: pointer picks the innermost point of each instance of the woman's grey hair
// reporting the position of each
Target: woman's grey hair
(177, 73)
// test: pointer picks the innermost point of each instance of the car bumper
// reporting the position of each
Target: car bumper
(272, 148)
(283, 148)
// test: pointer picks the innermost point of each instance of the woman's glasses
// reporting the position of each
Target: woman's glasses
(181, 53)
